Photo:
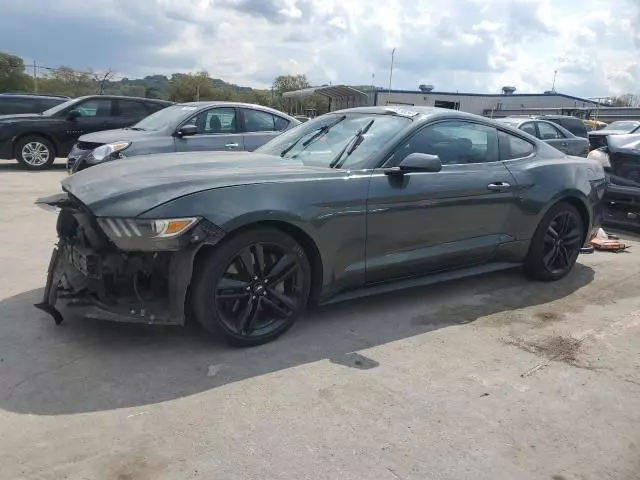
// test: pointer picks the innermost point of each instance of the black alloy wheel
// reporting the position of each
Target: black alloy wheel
(556, 244)
(253, 288)
(562, 242)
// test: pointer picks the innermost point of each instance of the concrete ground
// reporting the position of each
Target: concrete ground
(488, 378)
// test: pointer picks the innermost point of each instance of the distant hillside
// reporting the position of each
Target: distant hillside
(158, 86)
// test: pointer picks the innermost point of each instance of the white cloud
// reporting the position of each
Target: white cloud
(463, 45)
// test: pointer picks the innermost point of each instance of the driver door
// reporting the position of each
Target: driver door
(217, 130)
(423, 222)
(96, 114)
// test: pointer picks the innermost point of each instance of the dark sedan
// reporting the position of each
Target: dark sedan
(352, 203)
(555, 135)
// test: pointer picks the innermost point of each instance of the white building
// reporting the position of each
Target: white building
(490, 104)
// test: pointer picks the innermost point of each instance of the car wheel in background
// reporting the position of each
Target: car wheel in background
(252, 288)
(556, 243)
(35, 153)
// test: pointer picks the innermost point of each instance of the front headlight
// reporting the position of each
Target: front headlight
(109, 149)
(135, 234)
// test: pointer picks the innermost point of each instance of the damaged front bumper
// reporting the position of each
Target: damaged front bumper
(89, 276)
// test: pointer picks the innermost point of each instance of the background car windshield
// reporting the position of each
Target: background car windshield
(60, 107)
(324, 149)
(622, 126)
(166, 117)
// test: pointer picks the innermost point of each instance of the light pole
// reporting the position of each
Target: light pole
(553, 86)
(393, 52)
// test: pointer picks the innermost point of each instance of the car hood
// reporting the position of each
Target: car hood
(118, 135)
(128, 189)
(602, 133)
(20, 116)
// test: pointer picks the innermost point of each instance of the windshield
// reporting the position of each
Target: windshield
(60, 107)
(622, 126)
(320, 141)
(166, 117)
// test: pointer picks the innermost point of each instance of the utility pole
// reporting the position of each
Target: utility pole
(197, 93)
(393, 52)
(553, 86)
(35, 78)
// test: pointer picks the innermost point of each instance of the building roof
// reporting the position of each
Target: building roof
(494, 95)
(329, 91)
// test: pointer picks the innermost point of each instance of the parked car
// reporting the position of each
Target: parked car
(621, 161)
(34, 140)
(301, 118)
(355, 202)
(575, 125)
(184, 127)
(553, 134)
(598, 138)
(12, 103)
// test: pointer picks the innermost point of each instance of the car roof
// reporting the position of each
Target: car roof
(123, 97)
(224, 103)
(34, 95)
(418, 113)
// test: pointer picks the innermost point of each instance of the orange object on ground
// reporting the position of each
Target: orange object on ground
(602, 241)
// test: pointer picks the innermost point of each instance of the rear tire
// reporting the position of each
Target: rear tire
(253, 287)
(34, 152)
(556, 244)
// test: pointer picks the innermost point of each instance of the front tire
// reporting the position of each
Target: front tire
(556, 244)
(35, 153)
(253, 287)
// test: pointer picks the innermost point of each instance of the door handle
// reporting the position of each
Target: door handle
(564, 144)
(231, 145)
(498, 186)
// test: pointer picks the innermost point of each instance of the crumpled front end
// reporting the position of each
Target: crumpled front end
(113, 269)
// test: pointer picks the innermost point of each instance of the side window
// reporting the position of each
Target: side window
(455, 142)
(548, 131)
(132, 109)
(258, 121)
(153, 107)
(216, 120)
(530, 128)
(96, 107)
(512, 147)
(281, 123)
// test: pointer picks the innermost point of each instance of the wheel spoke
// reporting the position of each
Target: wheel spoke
(283, 298)
(273, 305)
(552, 232)
(564, 224)
(232, 295)
(247, 261)
(550, 256)
(572, 236)
(227, 283)
(259, 258)
(563, 256)
(280, 266)
(248, 317)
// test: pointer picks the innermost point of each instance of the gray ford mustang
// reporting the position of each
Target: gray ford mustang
(355, 202)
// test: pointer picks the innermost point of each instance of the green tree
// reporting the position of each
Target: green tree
(187, 87)
(12, 75)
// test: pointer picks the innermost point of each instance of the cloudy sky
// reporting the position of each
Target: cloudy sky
(464, 45)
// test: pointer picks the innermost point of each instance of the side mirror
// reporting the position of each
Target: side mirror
(187, 130)
(416, 162)
(73, 114)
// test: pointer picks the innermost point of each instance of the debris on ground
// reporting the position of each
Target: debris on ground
(610, 243)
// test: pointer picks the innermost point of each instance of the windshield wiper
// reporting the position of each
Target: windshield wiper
(318, 134)
(351, 146)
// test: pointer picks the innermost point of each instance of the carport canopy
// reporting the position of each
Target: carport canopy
(340, 96)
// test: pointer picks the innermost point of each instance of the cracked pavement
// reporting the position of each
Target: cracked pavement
(492, 378)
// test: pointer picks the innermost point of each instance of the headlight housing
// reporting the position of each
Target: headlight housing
(104, 151)
(136, 234)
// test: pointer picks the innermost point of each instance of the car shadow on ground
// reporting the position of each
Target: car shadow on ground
(85, 366)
